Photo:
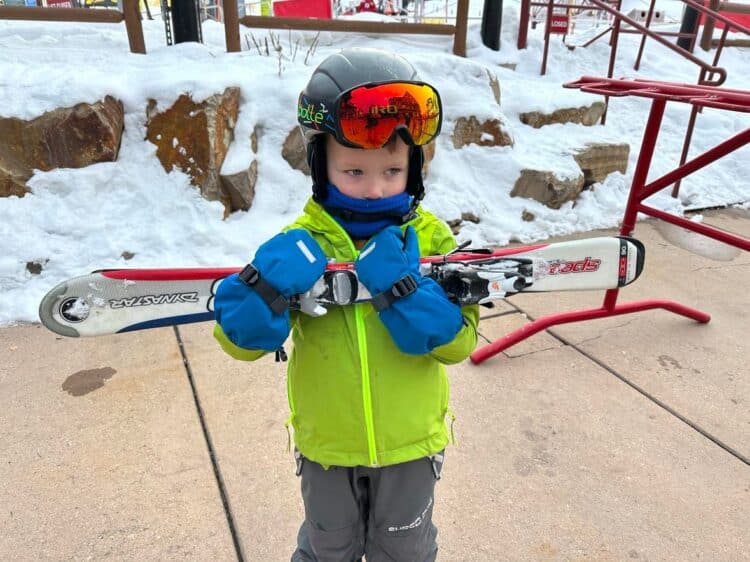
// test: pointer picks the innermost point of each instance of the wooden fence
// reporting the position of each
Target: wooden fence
(707, 40)
(130, 13)
(232, 26)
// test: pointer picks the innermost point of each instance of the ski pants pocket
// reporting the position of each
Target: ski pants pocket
(403, 530)
(333, 530)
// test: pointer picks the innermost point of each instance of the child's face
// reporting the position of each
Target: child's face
(368, 174)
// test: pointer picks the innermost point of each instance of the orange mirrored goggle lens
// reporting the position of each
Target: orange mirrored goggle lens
(368, 115)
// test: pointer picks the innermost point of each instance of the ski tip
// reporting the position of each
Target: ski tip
(51, 304)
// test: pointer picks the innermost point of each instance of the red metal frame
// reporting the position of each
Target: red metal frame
(710, 74)
(661, 93)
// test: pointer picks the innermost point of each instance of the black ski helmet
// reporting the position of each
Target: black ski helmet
(343, 71)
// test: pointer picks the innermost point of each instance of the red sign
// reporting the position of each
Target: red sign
(303, 9)
(59, 3)
(559, 23)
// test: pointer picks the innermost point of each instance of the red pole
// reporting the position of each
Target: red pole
(644, 163)
(702, 160)
(544, 322)
(548, 23)
(704, 229)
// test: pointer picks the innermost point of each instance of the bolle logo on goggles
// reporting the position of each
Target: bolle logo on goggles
(310, 113)
(378, 110)
(586, 265)
(148, 300)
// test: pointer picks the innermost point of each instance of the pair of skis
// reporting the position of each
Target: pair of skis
(122, 300)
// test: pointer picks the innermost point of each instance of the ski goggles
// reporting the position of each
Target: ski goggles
(367, 116)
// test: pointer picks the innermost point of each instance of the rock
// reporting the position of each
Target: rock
(294, 152)
(494, 85)
(527, 216)
(254, 139)
(429, 154)
(195, 137)
(598, 160)
(455, 225)
(72, 137)
(547, 188)
(126, 255)
(586, 115)
(489, 133)
(240, 187)
(13, 176)
(35, 267)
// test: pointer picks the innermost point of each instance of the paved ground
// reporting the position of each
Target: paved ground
(618, 439)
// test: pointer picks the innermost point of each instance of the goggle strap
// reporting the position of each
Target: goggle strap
(316, 159)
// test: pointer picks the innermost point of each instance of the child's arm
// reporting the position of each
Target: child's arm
(464, 342)
(235, 351)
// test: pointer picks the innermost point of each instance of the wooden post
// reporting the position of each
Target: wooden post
(232, 26)
(708, 27)
(133, 26)
(523, 24)
(459, 39)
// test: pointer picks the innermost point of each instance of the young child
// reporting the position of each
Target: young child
(367, 386)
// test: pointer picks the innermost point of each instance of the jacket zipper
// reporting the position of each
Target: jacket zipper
(366, 393)
(365, 366)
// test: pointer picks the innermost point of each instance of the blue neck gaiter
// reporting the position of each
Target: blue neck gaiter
(351, 212)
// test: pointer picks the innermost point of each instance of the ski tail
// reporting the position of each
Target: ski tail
(638, 262)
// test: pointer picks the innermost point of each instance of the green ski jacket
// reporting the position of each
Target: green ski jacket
(355, 398)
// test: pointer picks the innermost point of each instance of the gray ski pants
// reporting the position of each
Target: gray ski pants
(384, 514)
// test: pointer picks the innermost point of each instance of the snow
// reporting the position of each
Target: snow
(77, 220)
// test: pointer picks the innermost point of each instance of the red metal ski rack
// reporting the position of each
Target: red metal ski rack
(660, 93)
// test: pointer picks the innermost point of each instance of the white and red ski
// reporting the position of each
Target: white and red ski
(123, 300)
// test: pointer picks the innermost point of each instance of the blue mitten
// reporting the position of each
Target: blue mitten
(414, 309)
(252, 306)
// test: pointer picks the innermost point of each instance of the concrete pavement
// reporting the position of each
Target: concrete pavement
(625, 438)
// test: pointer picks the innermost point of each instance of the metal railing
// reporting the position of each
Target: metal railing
(660, 93)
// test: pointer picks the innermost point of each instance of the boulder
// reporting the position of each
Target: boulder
(456, 224)
(547, 188)
(598, 160)
(195, 137)
(429, 154)
(491, 132)
(494, 85)
(294, 152)
(240, 186)
(72, 137)
(585, 115)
